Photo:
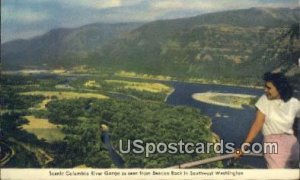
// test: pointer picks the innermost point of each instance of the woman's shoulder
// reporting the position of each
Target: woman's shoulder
(294, 100)
(262, 98)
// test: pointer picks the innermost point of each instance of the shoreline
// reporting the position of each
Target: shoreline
(207, 97)
(171, 79)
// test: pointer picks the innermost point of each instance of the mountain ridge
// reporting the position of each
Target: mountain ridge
(62, 42)
(213, 45)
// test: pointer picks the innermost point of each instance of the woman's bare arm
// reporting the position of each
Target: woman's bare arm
(254, 130)
(256, 127)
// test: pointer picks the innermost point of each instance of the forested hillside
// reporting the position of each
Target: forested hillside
(235, 44)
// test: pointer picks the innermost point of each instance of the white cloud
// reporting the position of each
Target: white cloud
(97, 4)
(132, 16)
(173, 5)
(167, 4)
(22, 15)
(208, 6)
(17, 15)
(131, 2)
(93, 4)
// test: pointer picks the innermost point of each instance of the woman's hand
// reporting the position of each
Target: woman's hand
(238, 153)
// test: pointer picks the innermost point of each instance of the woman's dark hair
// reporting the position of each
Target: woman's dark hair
(281, 83)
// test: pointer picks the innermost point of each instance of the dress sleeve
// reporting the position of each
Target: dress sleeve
(262, 104)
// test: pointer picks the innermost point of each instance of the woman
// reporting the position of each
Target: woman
(276, 112)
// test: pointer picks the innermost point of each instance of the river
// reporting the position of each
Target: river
(231, 124)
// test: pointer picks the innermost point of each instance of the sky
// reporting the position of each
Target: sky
(28, 18)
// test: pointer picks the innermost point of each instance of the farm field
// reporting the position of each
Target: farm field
(65, 95)
(43, 129)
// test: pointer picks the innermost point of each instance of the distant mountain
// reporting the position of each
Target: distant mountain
(232, 44)
(63, 46)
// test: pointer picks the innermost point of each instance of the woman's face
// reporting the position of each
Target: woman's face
(271, 91)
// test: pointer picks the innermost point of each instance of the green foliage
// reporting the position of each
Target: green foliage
(11, 100)
(98, 159)
(238, 45)
(39, 113)
(150, 122)
(64, 47)
(145, 95)
(22, 158)
(10, 121)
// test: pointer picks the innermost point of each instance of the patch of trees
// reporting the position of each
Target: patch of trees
(11, 100)
(127, 120)
(145, 95)
(22, 158)
(10, 124)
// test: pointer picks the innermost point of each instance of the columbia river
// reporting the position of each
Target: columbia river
(231, 124)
